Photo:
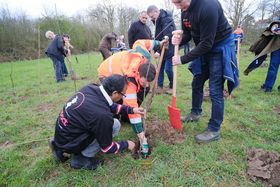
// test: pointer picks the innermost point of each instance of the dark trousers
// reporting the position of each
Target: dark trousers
(64, 68)
(212, 70)
(272, 70)
(57, 68)
(167, 67)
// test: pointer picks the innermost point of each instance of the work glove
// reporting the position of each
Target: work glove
(144, 148)
(141, 149)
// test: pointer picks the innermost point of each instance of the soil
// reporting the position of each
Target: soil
(264, 166)
(6, 144)
(277, 110)
(159, 130)
(44, 107)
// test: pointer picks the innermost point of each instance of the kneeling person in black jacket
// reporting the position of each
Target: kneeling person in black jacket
(86, 124)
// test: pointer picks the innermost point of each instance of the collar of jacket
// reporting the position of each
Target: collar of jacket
(105, 94)
(144, 52)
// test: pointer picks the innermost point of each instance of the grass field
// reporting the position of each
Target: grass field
(31, 104)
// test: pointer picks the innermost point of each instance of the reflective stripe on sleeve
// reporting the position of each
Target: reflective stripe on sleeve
(135, 120)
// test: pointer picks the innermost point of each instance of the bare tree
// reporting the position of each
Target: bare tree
(274, 9)
(236, 10)
(104, 15)
(125, 15)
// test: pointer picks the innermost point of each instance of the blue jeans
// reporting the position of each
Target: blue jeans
(167, 66)
(212, 69)
(64, 68)
(92, 149)
(272, 70)
(57, 68)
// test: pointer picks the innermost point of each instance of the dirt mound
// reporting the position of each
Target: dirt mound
(264, 166)
(157, 129)
(277, 110)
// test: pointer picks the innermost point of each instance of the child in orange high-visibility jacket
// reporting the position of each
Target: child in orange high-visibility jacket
(135, 64)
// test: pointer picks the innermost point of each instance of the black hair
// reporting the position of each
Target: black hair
(114, 83)
(148, 71)
(66, 35)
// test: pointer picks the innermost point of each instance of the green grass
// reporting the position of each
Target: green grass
(29, 110)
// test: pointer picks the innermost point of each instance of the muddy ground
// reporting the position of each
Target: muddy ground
(159, 130)
(277, 110)
(264, 166)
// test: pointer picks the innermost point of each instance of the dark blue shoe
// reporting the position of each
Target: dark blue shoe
(79, 161)
(58, 154)
(278, 88)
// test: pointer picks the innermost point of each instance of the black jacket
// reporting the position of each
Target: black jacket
(56, 48)
(164, 27)
(205, 23)
(138, 30)
(85, 117)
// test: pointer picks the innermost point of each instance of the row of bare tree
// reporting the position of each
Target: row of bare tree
(24, 38)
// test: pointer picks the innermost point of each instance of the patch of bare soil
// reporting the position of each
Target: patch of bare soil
(264, 166)
(277, 110)
(158, 129)
(44, 107)
(6, 144)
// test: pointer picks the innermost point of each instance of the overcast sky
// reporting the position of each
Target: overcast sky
(35, 8)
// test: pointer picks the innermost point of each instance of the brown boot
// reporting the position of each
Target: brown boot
(169, 91)
(159, 90)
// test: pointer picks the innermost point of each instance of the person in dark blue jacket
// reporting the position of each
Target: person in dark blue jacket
(50, 35)
(86, 125)
(57, 52)
(212, 58)
(164, 25)
(139, 29)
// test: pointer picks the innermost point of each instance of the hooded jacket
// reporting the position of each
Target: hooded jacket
(164, 27)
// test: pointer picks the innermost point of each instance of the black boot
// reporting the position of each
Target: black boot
(79, 161)
(191, 117)
(57, 153)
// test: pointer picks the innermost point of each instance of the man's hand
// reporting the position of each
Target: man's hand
(140, 111)
(68, 52)
(176, 60)
(164, 42)
(131, 145)
(177, 37)
(156, 55)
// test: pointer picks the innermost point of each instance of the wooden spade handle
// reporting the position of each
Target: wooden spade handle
(176, 52)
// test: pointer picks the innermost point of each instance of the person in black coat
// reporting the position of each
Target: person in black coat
(139, 29)
(86, 124)
(56, 51)
(165, 25)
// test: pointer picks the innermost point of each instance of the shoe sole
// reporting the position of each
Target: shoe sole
(214, 139)
(187, 121)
